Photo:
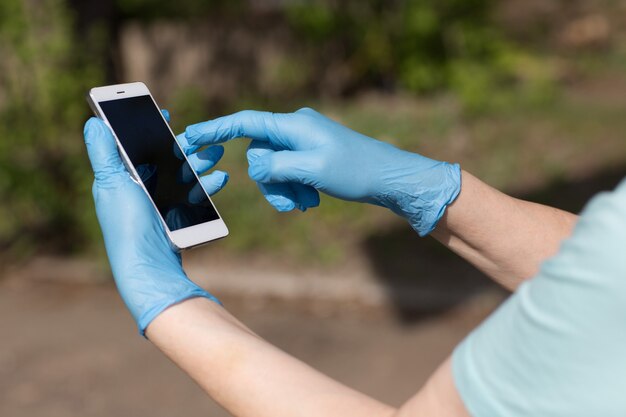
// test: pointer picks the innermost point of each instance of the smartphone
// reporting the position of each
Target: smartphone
(156, 162)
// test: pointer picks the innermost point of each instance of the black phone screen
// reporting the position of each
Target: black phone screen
(151, 148)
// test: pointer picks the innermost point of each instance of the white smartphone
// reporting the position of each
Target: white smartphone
(154, 159)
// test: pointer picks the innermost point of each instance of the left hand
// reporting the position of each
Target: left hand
(147, 269)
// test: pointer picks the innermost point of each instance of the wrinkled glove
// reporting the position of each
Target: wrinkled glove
(293, 155)
(146, 267)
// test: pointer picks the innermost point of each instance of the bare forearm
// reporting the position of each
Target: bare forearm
(245, 374)
(505, 237)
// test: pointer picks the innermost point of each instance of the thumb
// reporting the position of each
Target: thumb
(102, 150)
(285, 166)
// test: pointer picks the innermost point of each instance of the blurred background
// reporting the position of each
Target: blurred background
(529, 95)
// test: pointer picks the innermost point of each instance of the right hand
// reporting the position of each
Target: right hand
(294, 155)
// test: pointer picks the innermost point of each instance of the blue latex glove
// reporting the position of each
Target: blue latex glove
(146, 267)
(293, 155)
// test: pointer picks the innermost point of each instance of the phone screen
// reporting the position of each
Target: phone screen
(151, 148)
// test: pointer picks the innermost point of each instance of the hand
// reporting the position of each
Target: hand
(293, 155)
(147, 269)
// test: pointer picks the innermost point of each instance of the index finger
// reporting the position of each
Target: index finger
(258, 125)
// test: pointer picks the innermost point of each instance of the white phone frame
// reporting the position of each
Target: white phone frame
(187, 237)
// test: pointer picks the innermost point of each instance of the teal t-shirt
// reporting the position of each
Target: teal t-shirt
(557, 347)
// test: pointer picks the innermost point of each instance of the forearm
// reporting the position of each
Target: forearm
(245, 374)
(505, 237)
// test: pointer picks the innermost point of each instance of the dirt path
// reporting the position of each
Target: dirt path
(72, 349)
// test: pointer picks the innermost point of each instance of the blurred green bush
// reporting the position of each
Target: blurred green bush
(44, 75)
(424, 46)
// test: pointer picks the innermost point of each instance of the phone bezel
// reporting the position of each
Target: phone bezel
(185, 238)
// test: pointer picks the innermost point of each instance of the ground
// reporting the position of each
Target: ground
(70, 348)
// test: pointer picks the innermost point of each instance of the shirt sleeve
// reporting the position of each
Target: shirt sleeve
(557, 347)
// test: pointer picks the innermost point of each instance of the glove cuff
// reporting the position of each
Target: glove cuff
(424, 202)
(146, 318)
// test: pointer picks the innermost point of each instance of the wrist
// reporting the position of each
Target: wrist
(423, 192)
(168, 301)
(156, 291)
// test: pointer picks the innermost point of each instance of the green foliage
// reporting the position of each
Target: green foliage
(420, 45)
(44, 174)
